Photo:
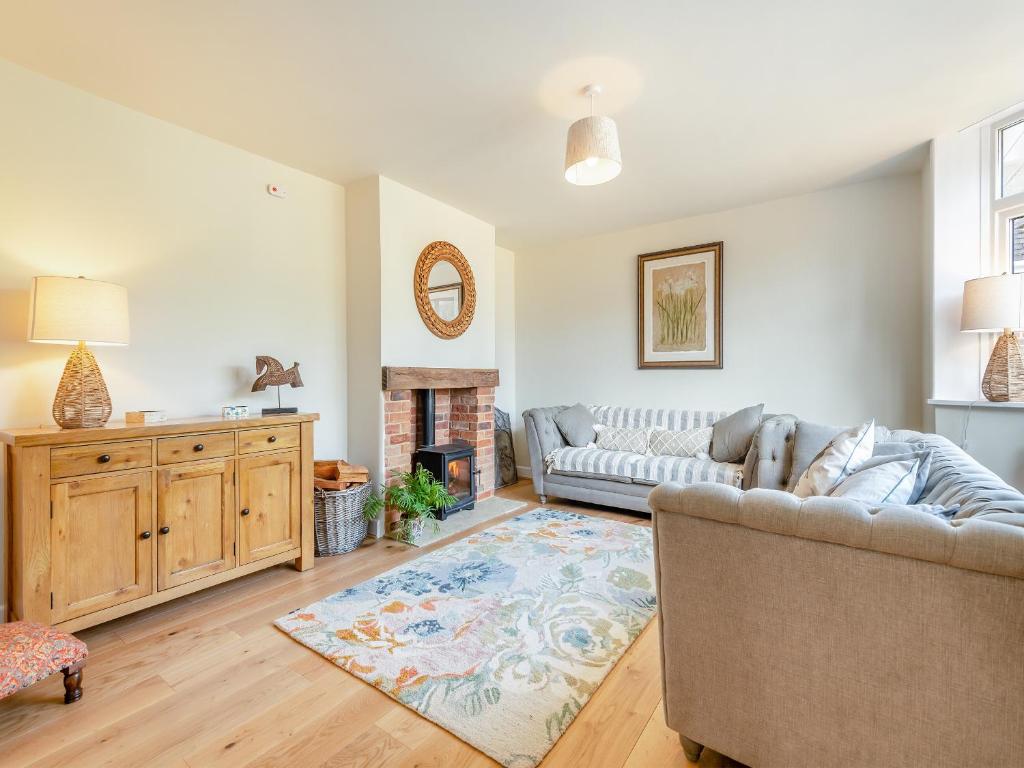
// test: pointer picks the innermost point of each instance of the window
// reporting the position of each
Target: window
(1016, 241)
(1005, 180)
(1011, 159)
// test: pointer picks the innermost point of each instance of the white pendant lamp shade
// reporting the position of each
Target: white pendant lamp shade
(992, 304)
(592, 151)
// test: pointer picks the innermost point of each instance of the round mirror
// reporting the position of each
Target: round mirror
(445, 290)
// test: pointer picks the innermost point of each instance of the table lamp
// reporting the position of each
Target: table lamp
(991, 305)
(73, 310)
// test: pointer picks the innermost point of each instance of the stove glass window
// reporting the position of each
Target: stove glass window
(459, 484)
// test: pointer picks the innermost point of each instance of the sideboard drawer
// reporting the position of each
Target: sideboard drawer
(268, 438)
(211, 445)
(74, 460)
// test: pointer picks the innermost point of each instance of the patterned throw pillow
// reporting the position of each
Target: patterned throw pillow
(623, 439)
(841, 457)
(688, 442)
(889, 483)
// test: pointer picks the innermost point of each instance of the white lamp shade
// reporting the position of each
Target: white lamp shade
(592, 151)
(66, 310)
(992, 304)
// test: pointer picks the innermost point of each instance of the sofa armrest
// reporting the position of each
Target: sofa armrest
(987, 546)
(542, 437)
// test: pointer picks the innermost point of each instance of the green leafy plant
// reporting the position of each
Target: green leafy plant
(417, 495)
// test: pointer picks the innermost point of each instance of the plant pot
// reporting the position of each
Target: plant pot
(395, 532)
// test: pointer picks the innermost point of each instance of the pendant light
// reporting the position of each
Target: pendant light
(592, 148)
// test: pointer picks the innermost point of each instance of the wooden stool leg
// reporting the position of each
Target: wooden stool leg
(73, 683)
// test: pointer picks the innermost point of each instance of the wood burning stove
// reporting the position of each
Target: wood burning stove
(452, 464)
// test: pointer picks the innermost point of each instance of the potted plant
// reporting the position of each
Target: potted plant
(414, 499)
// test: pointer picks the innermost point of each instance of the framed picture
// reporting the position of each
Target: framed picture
(679, 304)
(446, 300)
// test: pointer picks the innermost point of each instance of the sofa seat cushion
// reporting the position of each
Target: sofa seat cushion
(639, 468)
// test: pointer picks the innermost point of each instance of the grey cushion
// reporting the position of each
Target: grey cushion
(809, 440)
(576, 425)
(731, 436)
(925, 457)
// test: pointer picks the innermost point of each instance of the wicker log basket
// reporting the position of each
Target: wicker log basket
(339, 495)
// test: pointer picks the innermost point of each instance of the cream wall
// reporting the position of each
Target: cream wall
(365, 422)
(822, 300)
(217, 270)
(505, 330)
(409, 221)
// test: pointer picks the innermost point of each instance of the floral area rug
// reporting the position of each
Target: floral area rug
(501, 637)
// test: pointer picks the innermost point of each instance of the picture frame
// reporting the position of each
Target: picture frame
(446, 300)
(679, 307)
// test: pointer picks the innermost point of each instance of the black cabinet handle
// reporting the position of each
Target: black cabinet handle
(272, 439)
(146, 534)
(104, 458)
(245, 512)
(165, 530)
(198, 447)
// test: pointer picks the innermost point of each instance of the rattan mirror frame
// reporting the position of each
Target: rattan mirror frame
(440, 250)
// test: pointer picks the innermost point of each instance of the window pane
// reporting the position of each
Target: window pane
(1011, 152)
(1017, 243)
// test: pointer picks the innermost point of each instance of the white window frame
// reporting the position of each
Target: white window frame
(1000, 209)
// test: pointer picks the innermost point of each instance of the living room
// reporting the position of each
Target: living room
(644, 292)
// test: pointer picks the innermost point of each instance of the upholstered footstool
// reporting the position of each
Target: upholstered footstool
(30, 652)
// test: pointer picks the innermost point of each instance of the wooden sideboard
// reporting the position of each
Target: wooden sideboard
(104, 522)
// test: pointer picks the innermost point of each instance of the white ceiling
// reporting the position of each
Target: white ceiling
(719, 102)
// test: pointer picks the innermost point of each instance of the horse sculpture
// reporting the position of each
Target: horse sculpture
(270, 373)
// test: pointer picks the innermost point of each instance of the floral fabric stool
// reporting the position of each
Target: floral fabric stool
(30, 652)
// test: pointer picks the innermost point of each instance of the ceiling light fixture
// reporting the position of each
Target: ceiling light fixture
(592, 147)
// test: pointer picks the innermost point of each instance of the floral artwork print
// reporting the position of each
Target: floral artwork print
(680, 322)
(502, 637)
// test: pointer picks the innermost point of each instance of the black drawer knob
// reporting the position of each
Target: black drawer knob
(165, 530)
(272, 439)
(245, 512)
(104, 458)
(146, 534)
(198, 447)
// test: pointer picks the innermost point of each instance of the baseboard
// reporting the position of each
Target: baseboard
(524, 471)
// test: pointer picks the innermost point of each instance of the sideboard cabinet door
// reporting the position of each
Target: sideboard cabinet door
(101, 543)
(268, 501)
(195, 512)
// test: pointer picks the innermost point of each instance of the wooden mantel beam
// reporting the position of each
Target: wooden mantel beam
(393, 377)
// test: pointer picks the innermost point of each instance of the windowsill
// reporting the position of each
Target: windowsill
(974, 404)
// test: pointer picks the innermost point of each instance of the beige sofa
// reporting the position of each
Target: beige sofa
(822, 633)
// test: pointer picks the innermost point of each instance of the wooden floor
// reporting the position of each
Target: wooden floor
(207, 680)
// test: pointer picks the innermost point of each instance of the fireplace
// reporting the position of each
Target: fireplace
(454, 466)
(442, 418)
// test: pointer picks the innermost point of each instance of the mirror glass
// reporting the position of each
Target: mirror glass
(444, 284)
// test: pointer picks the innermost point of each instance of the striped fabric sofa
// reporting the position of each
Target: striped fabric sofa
(619, 478)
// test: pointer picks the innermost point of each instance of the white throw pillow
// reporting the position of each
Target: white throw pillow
(888, 483)
(687, 442)
(841, 457)
(623, 439)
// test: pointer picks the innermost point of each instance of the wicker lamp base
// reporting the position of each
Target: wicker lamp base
(1004, 375)
(82, 399)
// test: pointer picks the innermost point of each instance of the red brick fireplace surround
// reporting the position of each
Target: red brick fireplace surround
(463, 411)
